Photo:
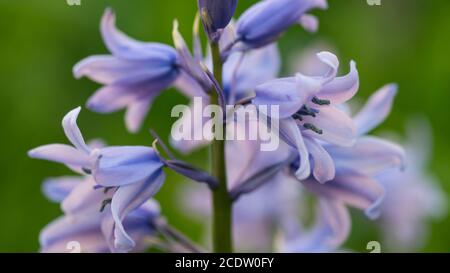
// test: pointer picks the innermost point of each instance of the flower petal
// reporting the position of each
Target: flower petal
(329, 232)
(136, 113)
(61, 153)
(189, 86)
(117, 96)
(280, 92)
(323, 168)
(341, 89)
(70, 228)
(376, 109)
(290, 132)
(352, 188)
(85, 198)
(309, 22)
(107, 69)
(125, 47)
(332, 62)
(119, 166)
(337, 127)
(57, 189)
(72, 131)
(125, 200)
(242, 73)
(369, 155)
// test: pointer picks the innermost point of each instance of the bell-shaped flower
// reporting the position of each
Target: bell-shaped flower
(83, 231)
(357, 166)
(330, 230)
(134, 172)
(265, 21)
(309, 113)
(133, 75)
(86, 221)
(216, 15)
(413, 195)
(357, 181)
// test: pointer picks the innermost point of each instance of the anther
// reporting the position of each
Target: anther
(106, 189)
(318, 101)
(313, 128)
(86, 170)
(306, 111)
(297, 116)
(105, 203)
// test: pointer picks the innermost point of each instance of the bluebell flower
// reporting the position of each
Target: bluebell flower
(133, 75)
(357, 182)
(86, 230)
(265, 21)
(134, 172)
(309, 114)
(331, 228)
(216, 15)
(413, 196)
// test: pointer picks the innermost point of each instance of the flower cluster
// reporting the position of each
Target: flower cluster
(325, 150)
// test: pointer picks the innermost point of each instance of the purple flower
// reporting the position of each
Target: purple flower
(265, 21)
(309, 114)
(86, 230)
(331, 228)
(133, 172)
(413, 196)
(133, 76)
(216, 15)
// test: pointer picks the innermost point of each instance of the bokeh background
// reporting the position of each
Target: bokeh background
(403, 41)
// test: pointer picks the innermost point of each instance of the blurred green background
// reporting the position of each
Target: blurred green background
(403, 41)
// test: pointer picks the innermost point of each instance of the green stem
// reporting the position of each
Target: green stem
(222, 203)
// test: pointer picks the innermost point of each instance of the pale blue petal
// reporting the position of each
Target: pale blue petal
(323, 165)
(243, 73)
(369, 155)
(119, 166)
(376, 109)
(61, 153)
(57, 189)
(290, 132)
(337, 127)
(351, 188)
(85, 198)
(125, 47)
(72, 131)
(341, 89)
(125, 200)
(136, 113)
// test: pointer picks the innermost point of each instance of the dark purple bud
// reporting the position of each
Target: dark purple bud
(216, 14)
(219, 12)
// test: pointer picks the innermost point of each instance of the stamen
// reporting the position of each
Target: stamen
(106, 189)
(105, 203)
(313, 128)
(86, 170)
(318, 101)
(306, 111)
(297, 116)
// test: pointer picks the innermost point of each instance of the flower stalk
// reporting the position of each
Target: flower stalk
(222, 203)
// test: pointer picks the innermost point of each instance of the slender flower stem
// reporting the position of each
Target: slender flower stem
(222, 203)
